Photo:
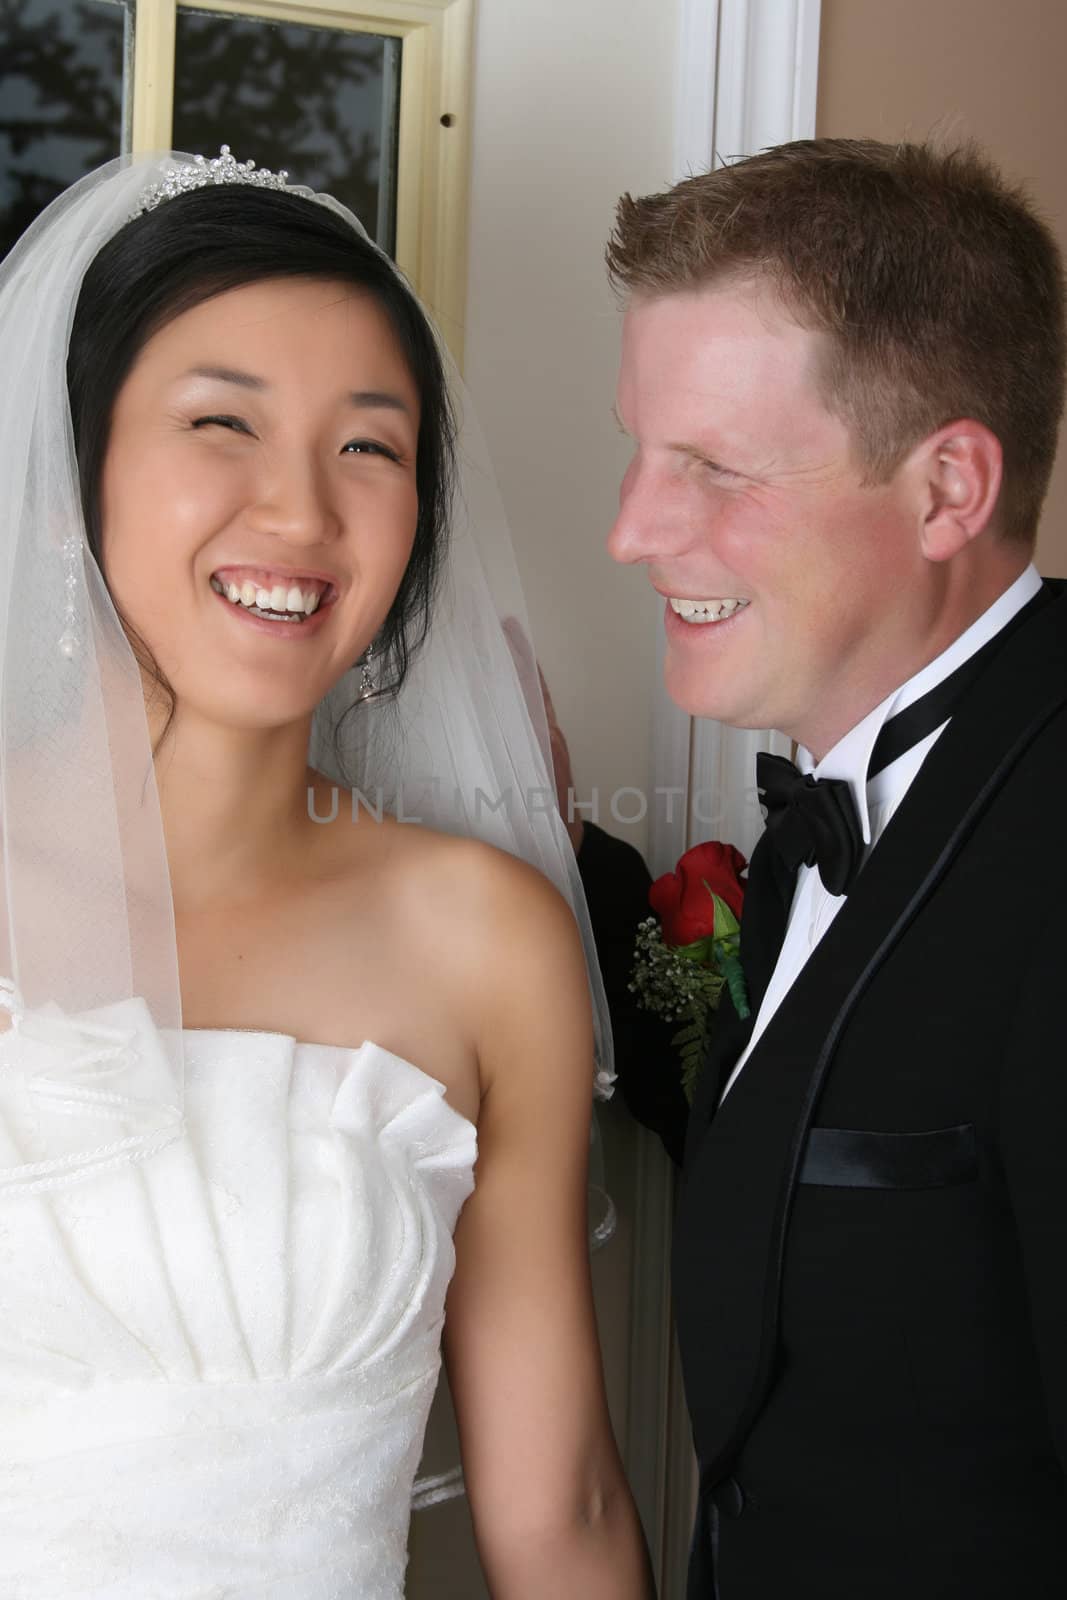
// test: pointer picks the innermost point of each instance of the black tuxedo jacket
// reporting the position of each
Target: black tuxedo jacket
(870, 1260)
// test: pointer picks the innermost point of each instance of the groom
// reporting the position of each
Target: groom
(842, 371)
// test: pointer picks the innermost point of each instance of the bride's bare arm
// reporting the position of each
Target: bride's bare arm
(552, 1510)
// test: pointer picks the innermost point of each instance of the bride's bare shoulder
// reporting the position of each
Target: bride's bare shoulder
(464, 955)
(465, 873)
(462, 894)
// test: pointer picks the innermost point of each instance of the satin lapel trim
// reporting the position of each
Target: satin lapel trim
(742, 1170)
(766, 913)
(767, 902)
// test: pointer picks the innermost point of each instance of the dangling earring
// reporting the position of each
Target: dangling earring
(367, 686)
(68, 640)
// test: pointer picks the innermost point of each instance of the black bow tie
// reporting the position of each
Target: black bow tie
(813, 821)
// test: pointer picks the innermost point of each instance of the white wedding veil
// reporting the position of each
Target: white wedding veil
(88, 962)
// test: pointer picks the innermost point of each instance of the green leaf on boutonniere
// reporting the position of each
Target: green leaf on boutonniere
(726, 924)
(700, 952)
(735, 982)
(727, 948)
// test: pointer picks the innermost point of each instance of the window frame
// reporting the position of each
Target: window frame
(433, 155)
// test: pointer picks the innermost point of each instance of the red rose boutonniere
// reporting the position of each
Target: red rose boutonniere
(683, 960)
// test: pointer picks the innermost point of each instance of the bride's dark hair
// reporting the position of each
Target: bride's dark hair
(201, 244)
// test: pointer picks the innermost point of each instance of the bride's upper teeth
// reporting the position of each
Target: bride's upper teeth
(279, 597)
(705, 610)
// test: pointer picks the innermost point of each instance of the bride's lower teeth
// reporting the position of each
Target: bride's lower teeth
(275, 616)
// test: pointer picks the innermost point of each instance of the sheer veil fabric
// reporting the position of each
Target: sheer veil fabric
(88, 961)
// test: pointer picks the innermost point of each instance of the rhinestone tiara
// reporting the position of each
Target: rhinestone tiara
(200, 173)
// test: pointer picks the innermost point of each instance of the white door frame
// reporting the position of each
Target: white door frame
(746, 78)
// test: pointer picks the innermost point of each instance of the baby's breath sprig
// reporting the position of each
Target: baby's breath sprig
(684, 983)
(667, 979)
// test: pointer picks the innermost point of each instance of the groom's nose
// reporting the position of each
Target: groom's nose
(652, 521)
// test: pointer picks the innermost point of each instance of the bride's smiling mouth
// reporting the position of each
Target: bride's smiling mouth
(290, 599)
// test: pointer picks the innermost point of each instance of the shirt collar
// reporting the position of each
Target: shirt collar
(851, 755)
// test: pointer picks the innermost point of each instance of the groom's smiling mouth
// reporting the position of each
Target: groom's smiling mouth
(698, 611)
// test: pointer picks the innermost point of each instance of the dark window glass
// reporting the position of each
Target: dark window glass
(63, 101)
(321, 102)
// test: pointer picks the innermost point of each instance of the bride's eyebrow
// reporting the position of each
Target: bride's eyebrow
(244, 380)
(378, 400)
(362, 399)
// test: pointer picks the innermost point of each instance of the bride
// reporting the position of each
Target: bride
(260, 1021)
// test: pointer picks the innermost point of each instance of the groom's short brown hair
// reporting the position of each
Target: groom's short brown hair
(940, 288)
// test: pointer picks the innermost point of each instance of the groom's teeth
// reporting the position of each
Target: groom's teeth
(705, 610)
(248, 594)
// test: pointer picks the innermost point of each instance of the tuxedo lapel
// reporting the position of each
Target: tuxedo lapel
(768, 896)
(743, 1162)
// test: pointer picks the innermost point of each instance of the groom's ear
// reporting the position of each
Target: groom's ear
(956, 473)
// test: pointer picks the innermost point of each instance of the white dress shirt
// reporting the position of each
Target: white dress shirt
(813, 909)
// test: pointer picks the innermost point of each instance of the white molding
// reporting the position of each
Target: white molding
(767, 72)
(747, 74)
(806, 72)
(694, 135)
(723, 800)
(694, 106)
(657, 1462)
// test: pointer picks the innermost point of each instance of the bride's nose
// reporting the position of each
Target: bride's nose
(292, 500)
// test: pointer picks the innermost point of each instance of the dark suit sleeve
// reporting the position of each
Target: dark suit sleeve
(1033, 1124)
(616, 883)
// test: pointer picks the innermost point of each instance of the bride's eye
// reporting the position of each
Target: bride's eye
(235, 424)
(369, 447)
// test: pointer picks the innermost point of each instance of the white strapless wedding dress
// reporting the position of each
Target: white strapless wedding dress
(216, 1364)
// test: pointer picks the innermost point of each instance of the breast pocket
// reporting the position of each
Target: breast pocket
(852, 1158)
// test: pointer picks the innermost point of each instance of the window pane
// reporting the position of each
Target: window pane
(62, 99)
(321, 102)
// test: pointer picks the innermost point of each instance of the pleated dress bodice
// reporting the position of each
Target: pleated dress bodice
(216, 1363)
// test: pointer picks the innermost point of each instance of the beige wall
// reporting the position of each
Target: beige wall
(893, 69)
